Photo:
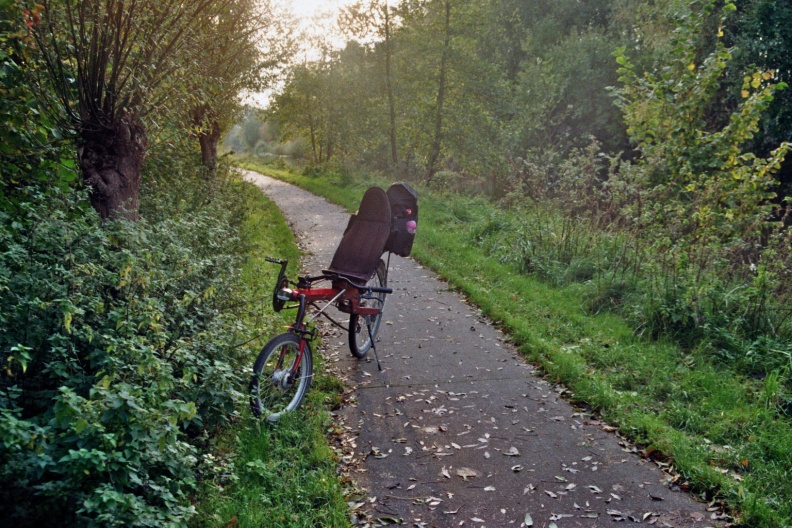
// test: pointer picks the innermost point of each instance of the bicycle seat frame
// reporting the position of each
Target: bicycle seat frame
(344, 293)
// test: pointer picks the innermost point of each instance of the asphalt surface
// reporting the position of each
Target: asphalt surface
(458, 430)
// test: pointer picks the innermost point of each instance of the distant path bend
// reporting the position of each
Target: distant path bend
(458, 427)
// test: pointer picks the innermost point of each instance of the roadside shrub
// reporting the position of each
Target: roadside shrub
(332, 171)
(119, 342)
(460, 183)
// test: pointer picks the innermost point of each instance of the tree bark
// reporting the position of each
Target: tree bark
(209, 141)
(110, 160)
(434, 153)
(389, 88)
(208, 134)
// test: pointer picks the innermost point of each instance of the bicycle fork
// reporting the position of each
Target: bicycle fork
(300, 329)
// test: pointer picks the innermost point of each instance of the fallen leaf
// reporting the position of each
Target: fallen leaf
(551, 494)
(512, 452)
(528, 520)
(489, 488)
(466, 473)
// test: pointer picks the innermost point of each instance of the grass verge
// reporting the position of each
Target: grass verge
(717, 428)
(283, 475)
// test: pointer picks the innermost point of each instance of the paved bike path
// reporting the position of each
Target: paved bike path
(458, 430)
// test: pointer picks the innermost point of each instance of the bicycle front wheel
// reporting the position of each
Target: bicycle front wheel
(359, 338)
(281, 376)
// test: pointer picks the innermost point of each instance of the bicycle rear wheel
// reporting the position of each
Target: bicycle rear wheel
(277, 386)
(359, 339)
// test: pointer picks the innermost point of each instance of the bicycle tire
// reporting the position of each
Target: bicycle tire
(359, 340)
(278, 304)
(273, 391)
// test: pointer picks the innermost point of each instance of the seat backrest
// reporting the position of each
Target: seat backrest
(364, 240)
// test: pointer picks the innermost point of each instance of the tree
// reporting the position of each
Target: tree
(442, 74)
(111, 62)
(237, 52)
(761, 32)
(300, 105)
(363, 20)
(702, 184)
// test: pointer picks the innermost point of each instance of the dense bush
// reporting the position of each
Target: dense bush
(119, 351)
(121, 341)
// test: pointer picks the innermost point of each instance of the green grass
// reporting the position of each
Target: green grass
(714, 425)
(281, 475)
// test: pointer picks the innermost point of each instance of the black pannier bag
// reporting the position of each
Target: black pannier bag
(404, 218)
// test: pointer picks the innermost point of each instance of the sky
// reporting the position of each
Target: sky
(314, 15)
(308, 8)
(317, 17)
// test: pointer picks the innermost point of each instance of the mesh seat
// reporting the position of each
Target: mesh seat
(364, 240)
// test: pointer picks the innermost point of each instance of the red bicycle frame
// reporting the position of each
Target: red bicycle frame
(344, 294)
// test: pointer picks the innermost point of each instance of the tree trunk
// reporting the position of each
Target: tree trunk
(434, 153)
(313, 141)
(209, 141)
(329, 149)
(208, 134)
(110, 161)
(389, 88)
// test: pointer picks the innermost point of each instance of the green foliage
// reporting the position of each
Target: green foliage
(761, 33)
(31, 146)
(703, 201)
(510, 78)
(125, 346)
(286, 475)
(121, 345)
